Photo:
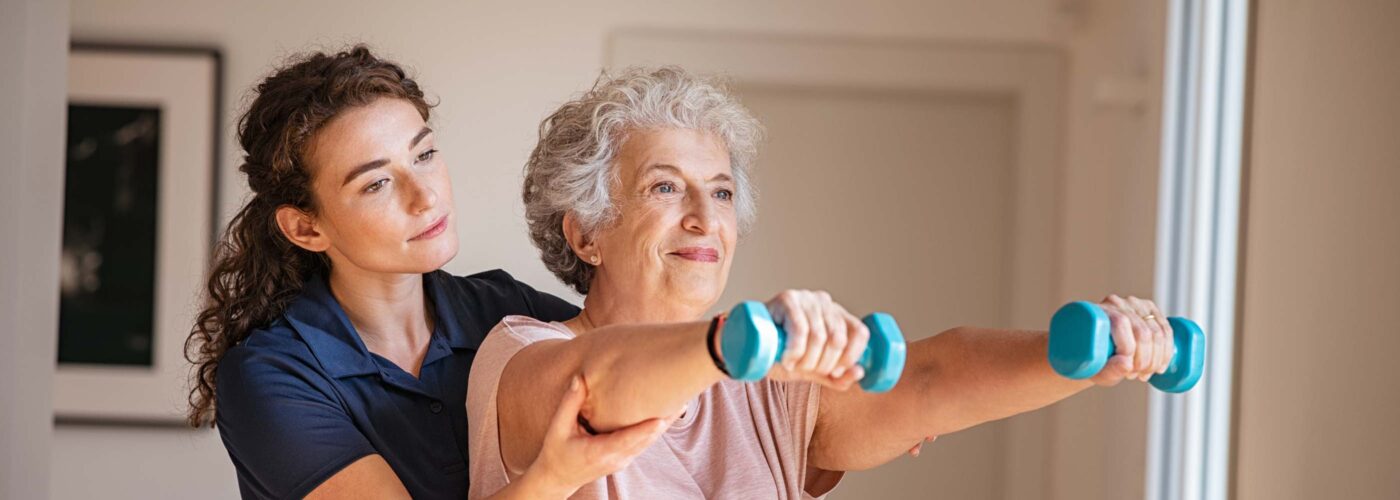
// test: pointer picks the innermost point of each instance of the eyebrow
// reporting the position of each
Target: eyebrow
(371, 165)
(723, 177)
(421, 134)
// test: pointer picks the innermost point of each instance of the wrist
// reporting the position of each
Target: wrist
(714, 343)
(538, 483)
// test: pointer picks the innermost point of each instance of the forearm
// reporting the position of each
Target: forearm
(968, 376)
(637, 372)
(952, 381)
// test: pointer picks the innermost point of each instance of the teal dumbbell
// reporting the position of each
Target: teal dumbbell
(751, 343)
(1081, 342)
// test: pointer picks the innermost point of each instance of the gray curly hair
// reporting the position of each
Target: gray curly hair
(572, 171)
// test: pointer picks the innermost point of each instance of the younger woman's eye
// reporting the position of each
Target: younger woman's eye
(376, 186)
(427, 155)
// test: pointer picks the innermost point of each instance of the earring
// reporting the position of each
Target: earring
(593, 259)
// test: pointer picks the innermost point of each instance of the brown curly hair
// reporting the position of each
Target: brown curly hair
(257, 271)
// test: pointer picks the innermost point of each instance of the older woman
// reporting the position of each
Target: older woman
(636, 196)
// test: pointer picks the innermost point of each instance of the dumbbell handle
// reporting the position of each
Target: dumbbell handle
(752, 342)
(1081, 342)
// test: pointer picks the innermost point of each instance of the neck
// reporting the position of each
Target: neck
(604, 306)
(388, 310)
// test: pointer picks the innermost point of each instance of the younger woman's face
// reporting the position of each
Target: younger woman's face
(383, 195)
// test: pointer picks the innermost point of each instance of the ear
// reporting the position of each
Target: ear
(301, 229)
(584, 247)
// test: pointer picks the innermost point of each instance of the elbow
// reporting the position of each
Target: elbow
(611, 394)
(932, 383)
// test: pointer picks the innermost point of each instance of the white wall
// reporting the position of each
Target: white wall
(1318, 403)
(864, 187)
(1098, 439)
(33, 47)
(499, 67)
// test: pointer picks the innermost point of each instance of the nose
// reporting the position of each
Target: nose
(422, 196)
(701, 214)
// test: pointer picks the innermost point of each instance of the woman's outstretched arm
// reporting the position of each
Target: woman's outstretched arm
(964, 377)
(637, 372)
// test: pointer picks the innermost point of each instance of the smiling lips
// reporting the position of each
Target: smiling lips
(698, 254)
(437, 228)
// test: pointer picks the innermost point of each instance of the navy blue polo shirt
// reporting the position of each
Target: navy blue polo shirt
(302, 398)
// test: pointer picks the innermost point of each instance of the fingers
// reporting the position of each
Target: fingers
(565, 419)
(1169, 338)
(919, 446)
(628, 442)
(824, 342)
(1152, 340)
(858, 337)
(1124, 343)
(1150, 335)
(836, 340)
(1114, 371)
(1163, 346)
(1146, 348)
(786, 311)
(1146, 338)
(816, 337)
(846, 380)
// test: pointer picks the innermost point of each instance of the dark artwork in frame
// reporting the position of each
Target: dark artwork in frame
(139, 225)
(111, 193)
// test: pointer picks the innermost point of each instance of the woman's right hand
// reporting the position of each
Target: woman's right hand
(824, 342)
(570, 457)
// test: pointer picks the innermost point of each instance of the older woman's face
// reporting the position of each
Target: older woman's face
(675, 237)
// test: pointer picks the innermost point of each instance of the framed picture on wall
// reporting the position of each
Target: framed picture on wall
(139, 223)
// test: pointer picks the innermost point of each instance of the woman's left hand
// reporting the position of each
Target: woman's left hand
(570, 457)
(1142, 340)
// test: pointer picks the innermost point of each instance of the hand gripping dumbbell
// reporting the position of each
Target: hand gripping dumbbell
(751, 343)
(1081, 342)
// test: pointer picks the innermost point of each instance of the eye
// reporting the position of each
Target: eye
(427, 155)
(376, 186)
(724, 194)
(664, 188)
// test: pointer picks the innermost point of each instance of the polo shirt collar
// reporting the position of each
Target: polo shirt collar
(323, 325)
(441, 289)
(327, 330)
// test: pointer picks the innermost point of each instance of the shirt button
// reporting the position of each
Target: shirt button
(436, 407)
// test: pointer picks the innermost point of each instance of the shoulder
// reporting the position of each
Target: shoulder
(516, 332)
(493, 281)
(285, 425)
(272, 364)
(275, 348)
(512, 335)
(498, 294)
(494, 288)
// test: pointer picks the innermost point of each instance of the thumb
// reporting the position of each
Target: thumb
(1114, 371)
(635, 438)
(565, 419)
